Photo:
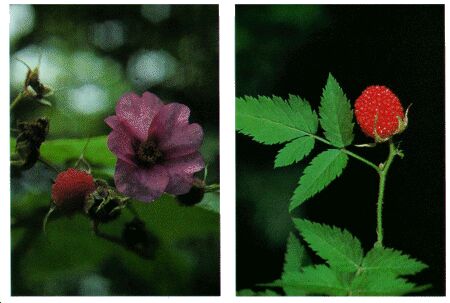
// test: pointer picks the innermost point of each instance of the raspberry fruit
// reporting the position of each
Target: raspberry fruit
(71, 188)
(379, 113)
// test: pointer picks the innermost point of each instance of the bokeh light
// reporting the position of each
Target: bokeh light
(148, 68)
(155, 13)
(108, 35)
(88, 99)
(21, 21)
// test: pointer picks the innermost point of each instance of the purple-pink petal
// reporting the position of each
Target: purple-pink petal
(184, 141)
(119, 140)
(170, 118)
(138, 112)
(181, 171)
(142, 184)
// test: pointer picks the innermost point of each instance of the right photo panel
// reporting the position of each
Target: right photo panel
(340, 150)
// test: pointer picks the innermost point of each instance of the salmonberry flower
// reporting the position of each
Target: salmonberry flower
(156, 147)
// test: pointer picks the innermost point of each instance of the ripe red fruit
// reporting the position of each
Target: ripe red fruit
(379, 113)
(71, 188)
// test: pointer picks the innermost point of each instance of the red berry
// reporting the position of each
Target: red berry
(379, 113)
(71, 188)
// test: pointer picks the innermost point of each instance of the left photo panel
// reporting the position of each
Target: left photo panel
(114, 146)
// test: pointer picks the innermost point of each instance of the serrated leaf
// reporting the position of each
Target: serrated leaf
(273, 120)
(388, 259)
(303, 111)
(336, 115)
(322, 170)
(294, 259)
(338, 247)
(382, 284)
(294, 151)
(314, 280)
(295, 255)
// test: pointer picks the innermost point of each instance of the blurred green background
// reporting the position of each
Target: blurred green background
(90, 56)
(291, 49)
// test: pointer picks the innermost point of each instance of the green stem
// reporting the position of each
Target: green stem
(351, 154)
(364, 160)
(383, 170)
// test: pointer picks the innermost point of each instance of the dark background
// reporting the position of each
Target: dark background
(285, 50)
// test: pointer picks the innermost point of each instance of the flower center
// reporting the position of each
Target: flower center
(148, 154)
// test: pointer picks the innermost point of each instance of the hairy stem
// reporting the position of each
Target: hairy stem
(383, 170)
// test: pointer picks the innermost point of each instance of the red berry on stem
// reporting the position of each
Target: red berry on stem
(379, 113)
(71, 188)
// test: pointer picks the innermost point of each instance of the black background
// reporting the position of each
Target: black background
(401, 47)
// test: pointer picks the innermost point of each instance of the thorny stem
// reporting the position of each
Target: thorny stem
(383, 170)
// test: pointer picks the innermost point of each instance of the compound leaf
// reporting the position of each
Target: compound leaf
(313, 280)
(382, 283)
(338, 247)
(294, 151)
(273, 120)
(336, 114)
(322, 170)
(388, 259)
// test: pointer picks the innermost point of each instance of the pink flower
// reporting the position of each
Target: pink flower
(156, 147)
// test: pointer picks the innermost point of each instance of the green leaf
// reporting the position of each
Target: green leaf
(382, 284)
(387, 259)
(60, 151)
(303, 113)
(273, 120)
(71, 248)
(338, 247)
(314, 280)
(294, 151)
(295, 255)
(294, 259)
(336, 114)
(322, 170)
(250, 293)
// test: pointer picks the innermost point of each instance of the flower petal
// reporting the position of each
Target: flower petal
(138, 112)
(185, 140)
(169, 119)
(140, 183)
(120, 142)
(181, 171)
